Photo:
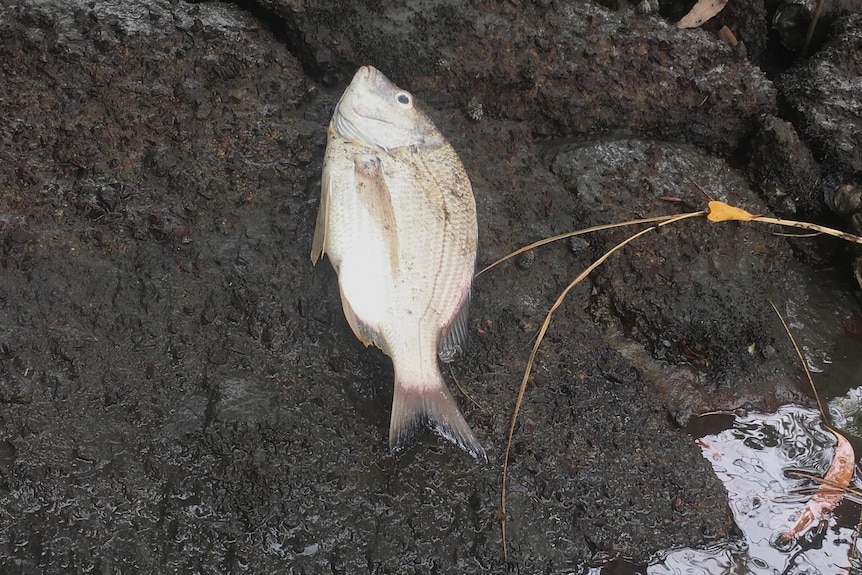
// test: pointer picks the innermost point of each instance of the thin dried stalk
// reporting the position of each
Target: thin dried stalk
(541, 335)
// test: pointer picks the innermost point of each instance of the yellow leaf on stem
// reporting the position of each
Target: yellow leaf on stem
(721, 212)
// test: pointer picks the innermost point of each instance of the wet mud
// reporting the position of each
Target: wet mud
(179, 391)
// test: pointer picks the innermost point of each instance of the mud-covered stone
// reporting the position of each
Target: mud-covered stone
(565, 67)
(822, 93)
(749, 22)
(791, 22)
(179, 390)
(695, 294)
(784, 170)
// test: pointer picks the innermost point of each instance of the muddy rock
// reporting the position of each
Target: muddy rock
(518, 202)
(567, 68)
(749, 23)
(179, 390)
(784, 170)
(694, 294)
(822, 93)
(791, 21)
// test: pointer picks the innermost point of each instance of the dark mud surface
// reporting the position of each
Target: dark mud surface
(179, 392)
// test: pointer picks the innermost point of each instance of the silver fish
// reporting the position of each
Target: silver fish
(397, 219)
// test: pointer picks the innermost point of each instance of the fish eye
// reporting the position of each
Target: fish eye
(403, 98)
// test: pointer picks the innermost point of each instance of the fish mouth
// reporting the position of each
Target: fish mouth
(370, 73)
(371, 77)
(362, 113)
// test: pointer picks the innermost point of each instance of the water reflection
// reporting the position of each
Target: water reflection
(755, 460)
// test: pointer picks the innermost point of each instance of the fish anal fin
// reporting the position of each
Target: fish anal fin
(374, 194)
(363, 332)
(453, 337)
(415, 408)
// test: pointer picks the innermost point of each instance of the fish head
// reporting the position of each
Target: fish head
(375, 112)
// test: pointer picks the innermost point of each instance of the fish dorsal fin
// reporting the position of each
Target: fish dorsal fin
(454, 336)
(318, 244)
(373, 193)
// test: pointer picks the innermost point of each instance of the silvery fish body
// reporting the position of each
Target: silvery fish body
(397, 220)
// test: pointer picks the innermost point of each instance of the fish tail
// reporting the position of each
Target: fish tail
(418, 406)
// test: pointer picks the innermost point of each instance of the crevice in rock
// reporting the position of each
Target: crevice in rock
(288, 33)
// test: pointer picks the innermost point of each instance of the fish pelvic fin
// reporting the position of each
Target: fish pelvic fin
(318, 243)
(372, 191)
(417, 407)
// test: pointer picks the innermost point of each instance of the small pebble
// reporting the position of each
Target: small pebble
(526, 259)
(847, 199)
(475, 109)
(578, 244)
(647, 7)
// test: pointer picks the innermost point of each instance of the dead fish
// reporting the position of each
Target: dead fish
(397, 220)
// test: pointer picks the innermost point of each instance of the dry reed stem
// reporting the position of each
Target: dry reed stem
(837, 480)
(523, 388)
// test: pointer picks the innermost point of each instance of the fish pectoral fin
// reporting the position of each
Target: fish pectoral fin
(453, 338)
(363, 332)
(374, 194)
(415, 408)
(318, 244)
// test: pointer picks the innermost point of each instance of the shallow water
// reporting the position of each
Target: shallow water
(755, 459)
(755, 455)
